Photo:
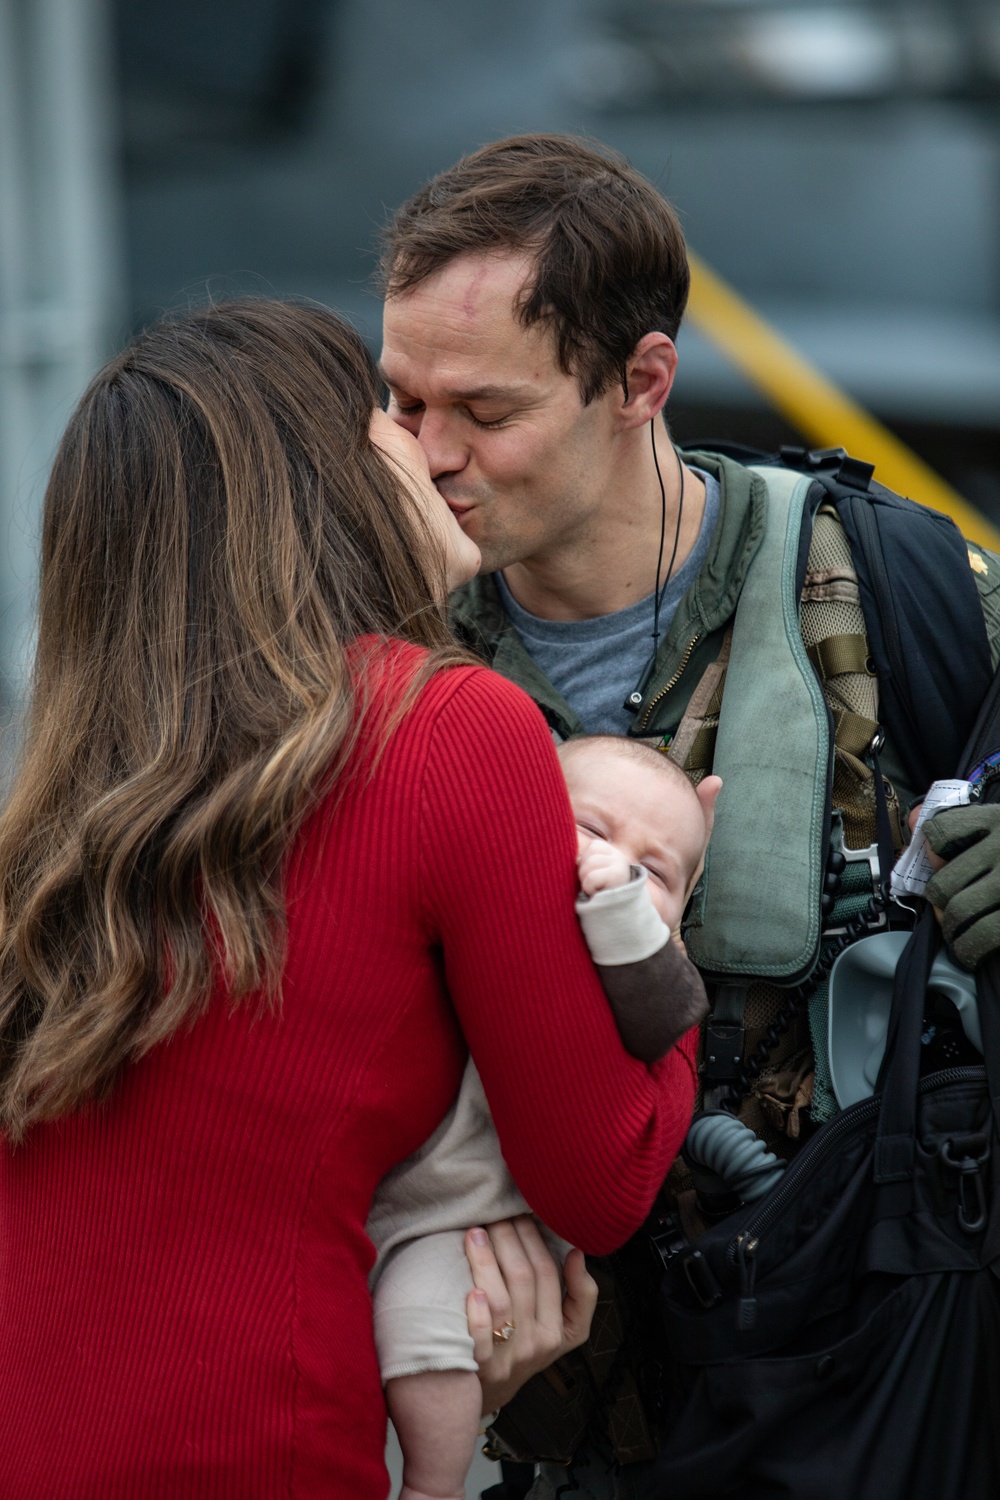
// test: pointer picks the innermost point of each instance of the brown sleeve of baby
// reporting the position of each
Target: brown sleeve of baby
(654, 1002)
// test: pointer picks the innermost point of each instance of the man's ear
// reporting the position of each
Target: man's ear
(708, 791)
(648, 376)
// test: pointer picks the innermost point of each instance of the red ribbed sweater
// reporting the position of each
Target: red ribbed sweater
(183, 1302)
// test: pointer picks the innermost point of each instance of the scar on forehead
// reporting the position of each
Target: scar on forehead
(470, 301)
(483, 265)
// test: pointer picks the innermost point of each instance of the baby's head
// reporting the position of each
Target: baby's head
(642, 803)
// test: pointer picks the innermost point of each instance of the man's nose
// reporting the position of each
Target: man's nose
(442, 442)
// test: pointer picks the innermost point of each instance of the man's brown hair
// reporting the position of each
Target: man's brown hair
(610, 263)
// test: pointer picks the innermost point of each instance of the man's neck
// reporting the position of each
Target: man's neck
(612, 563)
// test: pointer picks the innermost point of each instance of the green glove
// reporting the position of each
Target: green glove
(967, 890)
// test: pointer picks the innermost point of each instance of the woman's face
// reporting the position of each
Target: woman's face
(408, 458)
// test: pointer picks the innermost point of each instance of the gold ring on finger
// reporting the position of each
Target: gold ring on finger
(501, 1335)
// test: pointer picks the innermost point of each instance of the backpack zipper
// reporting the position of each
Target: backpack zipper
(671, 684)
(865, 1109)
(746, 1308)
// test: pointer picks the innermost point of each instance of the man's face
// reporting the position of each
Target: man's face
(522, 463)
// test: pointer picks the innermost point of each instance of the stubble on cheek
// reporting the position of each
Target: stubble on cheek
(486, 524)
(496, 551)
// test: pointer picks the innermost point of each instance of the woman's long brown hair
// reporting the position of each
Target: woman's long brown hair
(218, 528)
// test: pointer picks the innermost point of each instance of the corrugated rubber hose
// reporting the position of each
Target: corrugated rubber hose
(730, 1149)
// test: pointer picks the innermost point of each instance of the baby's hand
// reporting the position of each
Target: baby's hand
(600, 866)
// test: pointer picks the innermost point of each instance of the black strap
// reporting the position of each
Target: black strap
(984, 740)
(895, 1150)
(988, 994)
(883, 828)
(895, 1145)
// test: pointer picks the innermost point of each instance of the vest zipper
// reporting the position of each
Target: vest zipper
(671, 684)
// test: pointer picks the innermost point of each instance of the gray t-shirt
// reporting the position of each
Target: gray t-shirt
(595, 663)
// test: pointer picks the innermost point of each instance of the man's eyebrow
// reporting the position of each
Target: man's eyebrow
(495, 393)
(476, 393)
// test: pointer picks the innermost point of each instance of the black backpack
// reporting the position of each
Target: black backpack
(841, 1337)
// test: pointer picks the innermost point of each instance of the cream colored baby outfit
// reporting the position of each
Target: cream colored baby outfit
(459, 1179)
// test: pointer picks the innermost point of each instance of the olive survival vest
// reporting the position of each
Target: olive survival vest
(859, 615)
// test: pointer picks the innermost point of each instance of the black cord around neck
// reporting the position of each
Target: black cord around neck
(661, 589)
(635, 697)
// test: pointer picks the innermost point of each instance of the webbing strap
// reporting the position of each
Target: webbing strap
(853, 732)
(698, 729)
(886, 852)
(895, 1146)
(730, 1004)
(838, 655)
(701, 753)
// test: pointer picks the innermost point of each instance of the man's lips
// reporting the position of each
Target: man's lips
(460, 503)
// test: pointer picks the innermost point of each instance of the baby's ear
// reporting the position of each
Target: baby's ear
(708, 790)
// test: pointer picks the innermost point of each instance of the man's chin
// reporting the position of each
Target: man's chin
(493, 561)
(496, 552)
(488, 562)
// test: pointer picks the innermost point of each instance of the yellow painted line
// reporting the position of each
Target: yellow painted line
(824, 414)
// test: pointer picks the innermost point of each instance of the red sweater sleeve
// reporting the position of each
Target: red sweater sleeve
(588, 1132)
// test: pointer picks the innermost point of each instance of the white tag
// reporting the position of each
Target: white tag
(913, 869)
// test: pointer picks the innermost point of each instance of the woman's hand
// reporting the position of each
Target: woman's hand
(518, 1285)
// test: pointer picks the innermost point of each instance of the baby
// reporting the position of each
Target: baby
(642, 830)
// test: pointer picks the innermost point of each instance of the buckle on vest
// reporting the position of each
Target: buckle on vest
(850, 472)
(723, 1051)
(812, 460)
(667, 1238)
(868, 856)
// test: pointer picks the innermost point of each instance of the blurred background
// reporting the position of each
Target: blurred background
(838, 161)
